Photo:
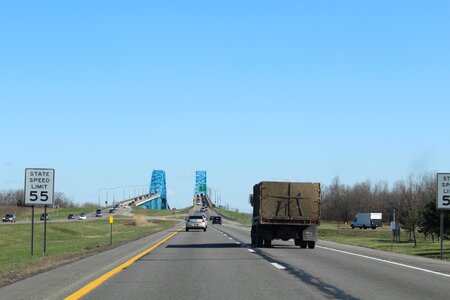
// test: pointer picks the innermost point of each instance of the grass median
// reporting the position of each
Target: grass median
(66, 242)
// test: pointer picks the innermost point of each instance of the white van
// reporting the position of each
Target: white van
(366, 220)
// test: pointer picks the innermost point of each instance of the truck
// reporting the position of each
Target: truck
(284, 211)
(366, 220)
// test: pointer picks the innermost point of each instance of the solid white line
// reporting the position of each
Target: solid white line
(230, 238)
(278, 266)
(386, 261)
(251, 250)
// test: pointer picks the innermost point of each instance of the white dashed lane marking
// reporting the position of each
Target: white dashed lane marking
(278, 266)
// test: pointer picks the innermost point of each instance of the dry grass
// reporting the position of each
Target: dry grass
(139, 220)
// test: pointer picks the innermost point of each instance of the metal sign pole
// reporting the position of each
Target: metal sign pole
(442, 231)
(110, 236)
(45, 228)
(32, 229)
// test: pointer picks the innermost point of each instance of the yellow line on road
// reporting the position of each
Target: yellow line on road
(94, 284)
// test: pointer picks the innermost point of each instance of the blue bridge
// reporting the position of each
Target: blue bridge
(157, 197)
(201, 189)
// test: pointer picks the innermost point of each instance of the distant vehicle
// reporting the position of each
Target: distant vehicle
(366, 220)
(285, 210)
(196, 222)
(116, 206)
(82, 216)
(217, 220)
(202, 209)
(211, 217)
(44, 216)
(71, 217)
(112, 210)
(9, 218)
(98, 213)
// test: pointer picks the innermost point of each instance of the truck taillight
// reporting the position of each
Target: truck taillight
(203, 220)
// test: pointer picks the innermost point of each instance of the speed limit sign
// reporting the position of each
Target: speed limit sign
(443, 191)
(39, 186)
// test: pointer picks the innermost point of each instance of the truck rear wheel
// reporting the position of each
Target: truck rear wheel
(253, 236)
(267, 243)
(300, 242)
(311, 244)
(259, 241)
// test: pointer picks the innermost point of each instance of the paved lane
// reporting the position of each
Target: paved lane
(344, 271)
(201, 265)
(212, 264)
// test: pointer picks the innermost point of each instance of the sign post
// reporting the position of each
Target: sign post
(443, 199)
(32, 230)
(39, 190)
(111, 221)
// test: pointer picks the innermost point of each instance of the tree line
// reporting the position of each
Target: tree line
(413, 199)
(16, 198)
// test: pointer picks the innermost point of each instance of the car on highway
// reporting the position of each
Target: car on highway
(9, 218)
(82, 216)
(217, 220)
(71, 217)
(196, 222)
(112, 210)
(44, 216)
(202, 215)
(98, 213)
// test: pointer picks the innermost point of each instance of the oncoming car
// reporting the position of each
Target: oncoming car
(9, 218)
(82, 216)
(196, 222)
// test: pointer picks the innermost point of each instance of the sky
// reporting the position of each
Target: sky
(105, 92)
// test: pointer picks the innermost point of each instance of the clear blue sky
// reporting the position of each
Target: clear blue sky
(107, 91)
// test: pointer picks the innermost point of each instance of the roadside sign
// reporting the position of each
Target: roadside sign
(111, 220)
(39, 186)
(443, 191)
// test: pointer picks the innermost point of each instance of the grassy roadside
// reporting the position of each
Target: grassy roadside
(158, 213)
(66, 242)
(381, 238)
(241, 218)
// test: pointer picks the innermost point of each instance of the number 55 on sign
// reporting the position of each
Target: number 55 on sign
(443, 191)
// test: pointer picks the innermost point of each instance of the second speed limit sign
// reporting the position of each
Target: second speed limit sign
(443, 191)
(39, 186)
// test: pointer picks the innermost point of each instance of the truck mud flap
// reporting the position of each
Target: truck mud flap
(310, 233)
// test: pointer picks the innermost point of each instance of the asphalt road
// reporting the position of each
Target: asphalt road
(219, 264)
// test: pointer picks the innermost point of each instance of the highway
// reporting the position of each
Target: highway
(220, 264)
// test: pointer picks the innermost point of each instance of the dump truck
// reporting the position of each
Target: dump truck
(285, 210)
